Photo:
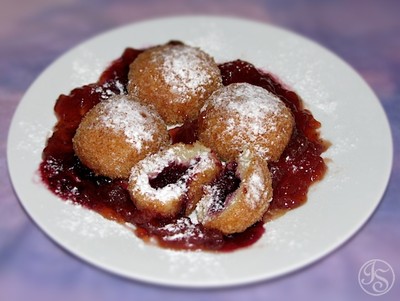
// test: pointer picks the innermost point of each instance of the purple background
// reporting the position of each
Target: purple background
(33, 33)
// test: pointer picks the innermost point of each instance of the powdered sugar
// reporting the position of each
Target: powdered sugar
(252, 101)
(151, 166)
(126, 116)
(207, 202)
(255, 188)
(182, 229)
(253, 115)
(106, 90)
(184, 70)
(250, 104)
(255, 183)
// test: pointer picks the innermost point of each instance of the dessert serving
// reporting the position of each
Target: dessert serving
(193, 154)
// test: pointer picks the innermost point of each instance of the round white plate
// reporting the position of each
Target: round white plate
(352, 119)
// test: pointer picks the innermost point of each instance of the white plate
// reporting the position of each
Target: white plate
(353, 121)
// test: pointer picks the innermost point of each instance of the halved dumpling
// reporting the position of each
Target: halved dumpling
(171, 182)
(239, 196)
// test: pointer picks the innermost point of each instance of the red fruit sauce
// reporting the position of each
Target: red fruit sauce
(300, 164)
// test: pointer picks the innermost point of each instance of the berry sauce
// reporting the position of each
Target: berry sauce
(299, 166)
(226, 183)
(169, 175)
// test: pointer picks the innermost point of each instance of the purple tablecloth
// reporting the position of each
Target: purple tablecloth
(34, 33)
